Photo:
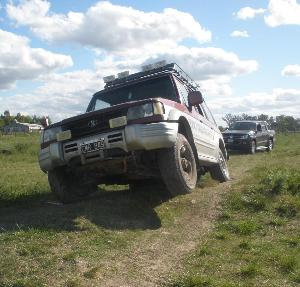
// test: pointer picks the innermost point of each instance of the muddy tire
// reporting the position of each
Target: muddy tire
(220, 171)
(252, 148)
(178, 167)
(270, 145)
(66, 188)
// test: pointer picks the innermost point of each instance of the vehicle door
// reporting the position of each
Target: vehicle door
(259, 135)
(265, 134)
(199, 124)
(208, 128)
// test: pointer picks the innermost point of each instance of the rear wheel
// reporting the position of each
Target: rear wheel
(220, 171)
(178, 167)
(67, 188)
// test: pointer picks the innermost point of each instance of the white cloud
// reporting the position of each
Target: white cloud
(125, 38)
(291, 70)
(61, 95)
(212, 68)
(18, 61)
(276, 102)
(66, 94)
(283, 12)
(236, 33)
(207, 63)
(249, 13)
(112, 28)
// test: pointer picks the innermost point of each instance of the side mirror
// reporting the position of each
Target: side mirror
(259, 128)
(195, 98)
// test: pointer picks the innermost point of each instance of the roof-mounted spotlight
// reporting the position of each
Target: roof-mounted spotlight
(156, 65)
(123, 74)
(148, 67)
(108, 79)
(160, 64)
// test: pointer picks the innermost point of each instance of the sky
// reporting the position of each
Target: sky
(243, 53)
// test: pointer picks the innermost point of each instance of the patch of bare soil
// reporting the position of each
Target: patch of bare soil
(160, 252)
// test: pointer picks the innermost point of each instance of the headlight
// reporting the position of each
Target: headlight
(145, 110)
(49, 135)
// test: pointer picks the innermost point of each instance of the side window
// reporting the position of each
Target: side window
(183, 92)
(208, 114)
(263, 127)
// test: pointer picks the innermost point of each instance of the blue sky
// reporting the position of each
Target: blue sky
(61, 61)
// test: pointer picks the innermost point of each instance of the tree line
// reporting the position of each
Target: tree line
(280, 123)
(6, 118)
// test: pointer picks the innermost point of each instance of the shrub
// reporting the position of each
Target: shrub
(250, 270)
(192, 281)
(242, 227)
(21, 147)
(288, 206)
(278, 181)
(288, 264)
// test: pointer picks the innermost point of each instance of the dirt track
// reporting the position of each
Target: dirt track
(159, 252)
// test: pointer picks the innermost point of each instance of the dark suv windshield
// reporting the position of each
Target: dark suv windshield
(243, 126)
(154, 88)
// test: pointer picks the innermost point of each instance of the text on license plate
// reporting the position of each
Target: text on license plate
(93, 146)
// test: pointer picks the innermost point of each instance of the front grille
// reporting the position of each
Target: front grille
(93, 124)
(113, 138)
(71, 147)
(233, 136)
(236, 138)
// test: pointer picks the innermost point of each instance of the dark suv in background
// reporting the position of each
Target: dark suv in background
(249, 136)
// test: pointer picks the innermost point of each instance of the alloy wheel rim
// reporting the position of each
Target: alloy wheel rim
(186, 164)
(270, 145)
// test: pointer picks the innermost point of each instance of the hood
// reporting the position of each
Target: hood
(119, 107)
(238, 132)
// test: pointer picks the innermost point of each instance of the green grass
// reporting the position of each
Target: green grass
(256, 240)
(46, 244)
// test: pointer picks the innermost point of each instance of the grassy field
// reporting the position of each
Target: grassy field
(256, 239)
(242, 233)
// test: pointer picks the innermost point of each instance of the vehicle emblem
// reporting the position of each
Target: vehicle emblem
(92, 123)
(231, 137)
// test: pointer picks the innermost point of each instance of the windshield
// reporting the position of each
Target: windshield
(155, 88)
(243, 126)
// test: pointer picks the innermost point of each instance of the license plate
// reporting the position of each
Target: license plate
(93, 146)
(230, 140)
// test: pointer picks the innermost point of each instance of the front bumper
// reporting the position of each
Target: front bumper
(240, 144)
(132, 137)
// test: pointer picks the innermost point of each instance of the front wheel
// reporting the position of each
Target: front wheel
(270, 145)
(178, 167)
(66, 187)
(220, 171)
(252, 148)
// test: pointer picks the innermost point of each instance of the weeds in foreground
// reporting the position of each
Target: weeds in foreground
(256, 239)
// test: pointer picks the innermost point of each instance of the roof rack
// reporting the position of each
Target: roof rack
(172, 67)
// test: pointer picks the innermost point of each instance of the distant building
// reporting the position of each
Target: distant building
(16, 127)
